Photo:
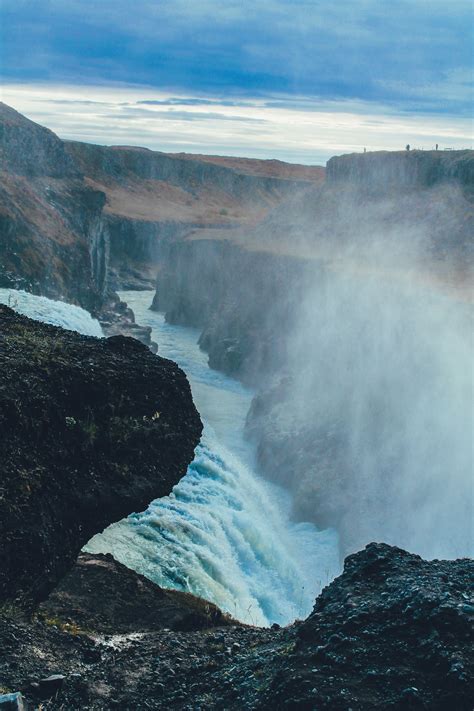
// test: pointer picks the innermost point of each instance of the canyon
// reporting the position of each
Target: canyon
(79, 221)
(340, 298)
(361, 280)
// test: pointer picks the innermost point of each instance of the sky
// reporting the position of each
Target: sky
(298, 80)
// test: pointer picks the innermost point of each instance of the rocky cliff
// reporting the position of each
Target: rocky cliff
(52, 237)
(384, 171)
(153, 198)
(91, 430)
(259, 275)
(393, 631)
(241, 340)
(78, 221)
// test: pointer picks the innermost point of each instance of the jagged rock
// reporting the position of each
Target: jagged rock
(12, 702)
(390, 633)
(51, 685)
(80, 447)
(102, 595)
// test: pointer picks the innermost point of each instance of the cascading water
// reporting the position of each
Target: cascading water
(57, 313)
(223, 533)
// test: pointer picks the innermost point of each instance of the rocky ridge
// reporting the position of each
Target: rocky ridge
(79, 221)
(392, 632)
(91, 429)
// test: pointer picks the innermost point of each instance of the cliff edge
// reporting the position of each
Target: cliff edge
(385, 170)
(92, 429)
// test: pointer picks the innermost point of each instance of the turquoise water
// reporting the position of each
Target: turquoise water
(223, 533)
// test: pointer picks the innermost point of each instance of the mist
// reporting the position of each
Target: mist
(380, 361)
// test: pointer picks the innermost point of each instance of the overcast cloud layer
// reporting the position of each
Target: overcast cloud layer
(225, 67)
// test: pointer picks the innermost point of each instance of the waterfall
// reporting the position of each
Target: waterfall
(57, 313)
(223, 533)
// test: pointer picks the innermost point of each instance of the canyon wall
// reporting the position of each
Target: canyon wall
(53, 240)
(78, 221)
(153, 198)
(225, 290)
(348, 311)
(383, 171)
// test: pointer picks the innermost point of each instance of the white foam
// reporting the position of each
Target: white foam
(57, 313)
(224, 533)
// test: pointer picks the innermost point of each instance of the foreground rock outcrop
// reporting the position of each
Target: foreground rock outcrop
(102, 595)
(91, 430)
(392, 632)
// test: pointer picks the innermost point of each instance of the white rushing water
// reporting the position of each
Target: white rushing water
(57, 313)
(223, 533)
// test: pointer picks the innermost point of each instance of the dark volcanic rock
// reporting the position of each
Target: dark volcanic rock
(102, 595)
(392, 632)
(91, 430)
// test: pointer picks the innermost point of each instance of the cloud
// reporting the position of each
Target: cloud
(133, 113)
(292, 129)
(381, 51)
(176, 101)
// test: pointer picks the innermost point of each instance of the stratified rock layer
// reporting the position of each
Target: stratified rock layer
(91, 430)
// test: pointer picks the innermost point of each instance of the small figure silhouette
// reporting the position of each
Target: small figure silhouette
(408, 146)
(436, 146)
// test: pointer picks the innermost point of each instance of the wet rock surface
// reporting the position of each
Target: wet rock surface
(392, 632)
(117, 319)
(91, 430)
(102, 595)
